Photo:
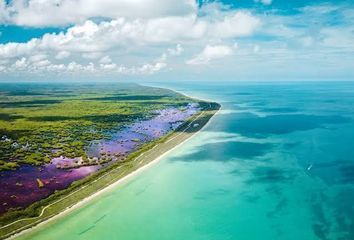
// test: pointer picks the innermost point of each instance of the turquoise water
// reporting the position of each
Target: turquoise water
(276, 163)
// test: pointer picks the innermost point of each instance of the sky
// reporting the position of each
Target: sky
(176, 40)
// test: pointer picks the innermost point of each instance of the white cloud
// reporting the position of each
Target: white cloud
(106, 60)
(77, 67)
(168, 33)
(82, 46)
(42, 63)
(4, 61)
(340, 38)
(56, 68)
(210, 53)
(13, 49)
(108, 66)
(62, 55)
(92, 38)
(3, 12)
(319, 9)
(21, 63)
(92, 55)
(39, 64)
(237, 24)
(175, 51)
(64, 12)
(151, 68)
(37, 57)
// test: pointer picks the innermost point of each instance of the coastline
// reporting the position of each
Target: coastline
(186, 135)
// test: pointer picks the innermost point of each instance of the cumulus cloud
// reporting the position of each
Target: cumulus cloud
(42, 63)
(152, 68)
(210, 53)
(45, 66)
(85, 46)
(238, 24)
(77, 67)
(39, 64)
(91, 38)
(62, 55)
(41, 13)
(151, 36)
(37, 57)
(21, 64)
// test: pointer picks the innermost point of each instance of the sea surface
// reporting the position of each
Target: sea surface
(277, 162)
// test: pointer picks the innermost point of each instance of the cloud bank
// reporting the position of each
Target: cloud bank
(82, 47)
(170, 38)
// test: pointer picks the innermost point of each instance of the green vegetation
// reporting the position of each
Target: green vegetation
(42, 121)
(61, 200)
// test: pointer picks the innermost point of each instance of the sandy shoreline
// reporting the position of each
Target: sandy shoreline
(113, 185)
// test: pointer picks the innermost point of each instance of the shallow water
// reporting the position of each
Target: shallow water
(276, 163)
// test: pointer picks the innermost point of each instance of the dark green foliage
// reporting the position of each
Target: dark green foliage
(37, 118)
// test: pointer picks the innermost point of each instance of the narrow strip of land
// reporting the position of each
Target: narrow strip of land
(112, 177)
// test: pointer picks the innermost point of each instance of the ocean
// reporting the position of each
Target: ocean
(277, 162)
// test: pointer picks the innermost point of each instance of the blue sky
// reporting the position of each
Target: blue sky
(20, 34)
(142, 40)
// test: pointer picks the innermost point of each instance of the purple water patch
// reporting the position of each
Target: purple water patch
(29, 184)
(20, 188)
